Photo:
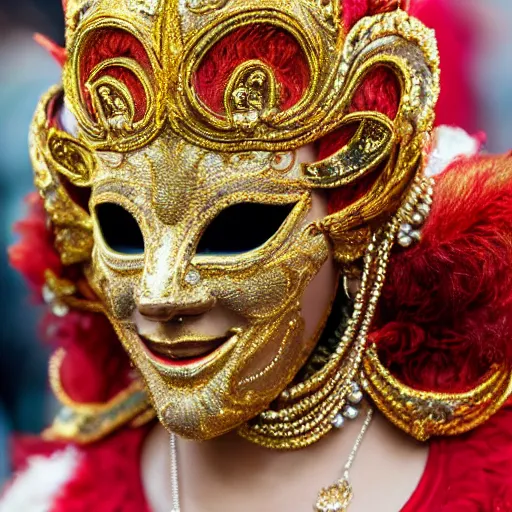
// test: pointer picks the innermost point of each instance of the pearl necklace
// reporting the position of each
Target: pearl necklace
(335, 498)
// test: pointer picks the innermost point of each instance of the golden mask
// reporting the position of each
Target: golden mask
(163, 165)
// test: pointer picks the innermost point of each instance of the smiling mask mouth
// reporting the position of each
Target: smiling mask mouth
(184, 348)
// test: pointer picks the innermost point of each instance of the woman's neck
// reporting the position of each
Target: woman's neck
(229, 474)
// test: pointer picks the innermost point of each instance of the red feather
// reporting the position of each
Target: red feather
(446, 310)
(354, 10)
(56, 51)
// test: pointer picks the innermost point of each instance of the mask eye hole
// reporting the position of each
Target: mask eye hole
(120, 231)
(242, 227)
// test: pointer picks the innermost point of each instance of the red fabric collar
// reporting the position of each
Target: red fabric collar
(469, 473)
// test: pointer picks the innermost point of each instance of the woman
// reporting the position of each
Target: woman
(305, 275)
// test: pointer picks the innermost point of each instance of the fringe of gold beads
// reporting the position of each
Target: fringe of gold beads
(315, 406)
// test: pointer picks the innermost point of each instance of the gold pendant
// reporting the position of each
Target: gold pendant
(335, 498)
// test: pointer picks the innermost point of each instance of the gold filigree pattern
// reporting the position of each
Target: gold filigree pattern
(73, 159)
(371, 144)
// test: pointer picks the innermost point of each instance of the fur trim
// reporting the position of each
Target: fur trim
(36, 489)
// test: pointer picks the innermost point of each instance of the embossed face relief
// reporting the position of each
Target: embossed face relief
(203, 260)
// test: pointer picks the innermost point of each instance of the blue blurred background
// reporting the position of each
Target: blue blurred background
(26, 71)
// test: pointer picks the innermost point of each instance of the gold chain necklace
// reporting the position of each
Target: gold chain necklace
(335, 498)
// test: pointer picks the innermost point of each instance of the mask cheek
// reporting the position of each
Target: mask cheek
(116, 288)
(275, 347)
(255, 295)
(276, 361)
(121, 292)
(265, 291)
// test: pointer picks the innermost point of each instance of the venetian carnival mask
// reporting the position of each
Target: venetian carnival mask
(200, 204)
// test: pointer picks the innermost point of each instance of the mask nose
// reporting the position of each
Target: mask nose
(170, 288)
(167, 308)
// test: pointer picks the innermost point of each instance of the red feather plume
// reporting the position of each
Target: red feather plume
(57, 52)
(446, 309)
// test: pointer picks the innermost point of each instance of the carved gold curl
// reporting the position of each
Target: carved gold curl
(205, 127)
(375, 141)
(393, 40)
(70, 157)
(423, 414)
(371, 145)
(93, 131)
(72, 225)
(417, 69)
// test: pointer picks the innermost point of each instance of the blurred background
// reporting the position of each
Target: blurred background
(476, 44)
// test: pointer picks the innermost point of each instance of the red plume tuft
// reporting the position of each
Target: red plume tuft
(446, 309)
(354, 10)
(379, 6)
(56, 51)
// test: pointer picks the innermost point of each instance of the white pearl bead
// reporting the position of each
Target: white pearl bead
(60, 310)
(355, 397)
(405, 229)
(354, 387)
(350, 412)
(48, 295)
(418, 219)
(193, 277)
(338, 421)
(405, 241)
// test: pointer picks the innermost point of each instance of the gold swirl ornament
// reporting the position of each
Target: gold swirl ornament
(85, 423)
(424, 414)
(55, 154)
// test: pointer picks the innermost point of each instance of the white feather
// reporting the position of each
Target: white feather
(450, 143)
(36, 488)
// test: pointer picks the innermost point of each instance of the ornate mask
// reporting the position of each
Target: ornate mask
(199, 202)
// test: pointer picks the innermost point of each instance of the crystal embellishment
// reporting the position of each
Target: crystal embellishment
(338, 421)
(350, 412)
(193, 277)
